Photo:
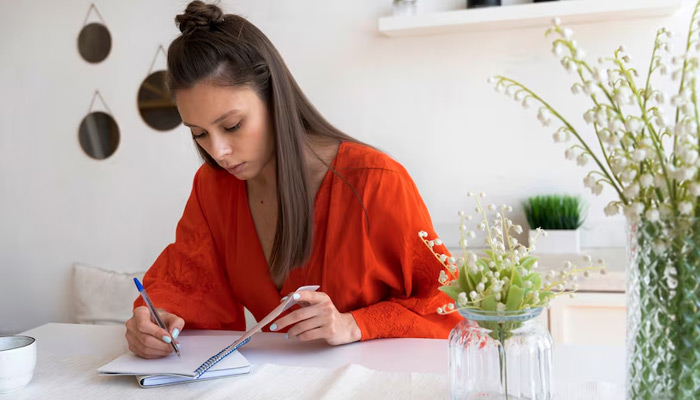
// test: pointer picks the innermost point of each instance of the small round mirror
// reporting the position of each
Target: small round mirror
(99, 135)
(155, 104)
(94, 42)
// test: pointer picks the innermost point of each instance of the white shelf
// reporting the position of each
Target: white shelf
(525, 16)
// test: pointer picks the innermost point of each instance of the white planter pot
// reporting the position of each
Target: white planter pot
(558, 241)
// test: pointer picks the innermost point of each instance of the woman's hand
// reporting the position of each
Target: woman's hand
(147, 339)
(318, 319)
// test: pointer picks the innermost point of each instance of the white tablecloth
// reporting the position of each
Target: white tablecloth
(76, 375)
(69, 355)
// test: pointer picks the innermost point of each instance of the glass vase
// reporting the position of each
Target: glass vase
(506, 355)
(663, 319)
(405, 8)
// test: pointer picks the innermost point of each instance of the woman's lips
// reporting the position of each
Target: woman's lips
(236, 168)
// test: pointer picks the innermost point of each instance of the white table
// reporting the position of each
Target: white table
(68, 355)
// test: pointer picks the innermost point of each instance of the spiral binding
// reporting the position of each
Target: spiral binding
(216, 358)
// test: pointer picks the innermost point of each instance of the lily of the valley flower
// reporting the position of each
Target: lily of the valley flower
(648, 155)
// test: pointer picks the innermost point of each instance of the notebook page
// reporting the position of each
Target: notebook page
(195, 351)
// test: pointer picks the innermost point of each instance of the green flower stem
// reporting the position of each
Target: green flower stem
(488, 228)
(691, 30)
(602, 87)
(572, 272)
(571, 129)
(647, 85)
(595, 124)
(607, 159)
(438, 258)
(505, 233)
(612, 106)
(666, 344)
(502, 360)
(644, 351)
(676, 331)
(693, 23)
(695, 105)
(462, 238)
(603, 177)
(670, 183)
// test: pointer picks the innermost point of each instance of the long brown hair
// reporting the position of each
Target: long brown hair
(228, 50)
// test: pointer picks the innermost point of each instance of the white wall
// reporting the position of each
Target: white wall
(424, 100)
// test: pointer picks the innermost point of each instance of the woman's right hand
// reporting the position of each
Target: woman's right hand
(148, 340)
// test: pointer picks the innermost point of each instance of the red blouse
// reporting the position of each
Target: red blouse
(374, 266)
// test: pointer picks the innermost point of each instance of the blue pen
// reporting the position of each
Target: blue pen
(148, 302)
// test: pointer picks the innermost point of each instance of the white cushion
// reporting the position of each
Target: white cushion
(101, 296)
(105, 297)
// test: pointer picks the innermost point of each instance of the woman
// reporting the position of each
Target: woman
(283, 199)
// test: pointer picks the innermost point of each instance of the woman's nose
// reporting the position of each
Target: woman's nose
(220, 148)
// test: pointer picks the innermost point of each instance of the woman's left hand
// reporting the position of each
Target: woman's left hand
(318, 319)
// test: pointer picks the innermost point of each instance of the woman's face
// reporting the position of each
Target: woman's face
(231, 124)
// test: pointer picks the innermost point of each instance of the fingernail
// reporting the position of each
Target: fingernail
(178, 346)
(283, 299)
(286, 335)
(296, 296)
(176, 332)
(167, 339)
(273, 327)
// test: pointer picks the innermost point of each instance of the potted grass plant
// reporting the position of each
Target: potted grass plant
(560, 216)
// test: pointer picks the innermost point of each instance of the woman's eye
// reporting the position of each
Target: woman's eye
(234, 128)
(198, 135)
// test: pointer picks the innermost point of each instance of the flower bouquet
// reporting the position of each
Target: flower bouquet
(644, 144)
(500, 292)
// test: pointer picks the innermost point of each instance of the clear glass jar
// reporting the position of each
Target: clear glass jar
(505, 355)
(405, 7)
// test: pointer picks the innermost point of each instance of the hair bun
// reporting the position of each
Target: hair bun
(199, 15)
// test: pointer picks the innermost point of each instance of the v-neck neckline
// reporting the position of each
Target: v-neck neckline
(325, 182)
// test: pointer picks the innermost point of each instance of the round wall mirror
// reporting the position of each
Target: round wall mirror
(94, 42)
(155, 104)
(99, 135)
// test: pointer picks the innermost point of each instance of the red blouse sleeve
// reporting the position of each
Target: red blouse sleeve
(187, 279)
(397, 213)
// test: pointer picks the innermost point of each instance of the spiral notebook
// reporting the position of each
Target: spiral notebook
(203, 357)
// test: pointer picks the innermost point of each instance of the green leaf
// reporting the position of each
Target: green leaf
(475, 279)
(464, 280)
(546, 295)
(482, 263)
(527, 262)
(515, 298)
(451, 291)
(536, 280)
(517, 279)
(489, 253)
(489, 303)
